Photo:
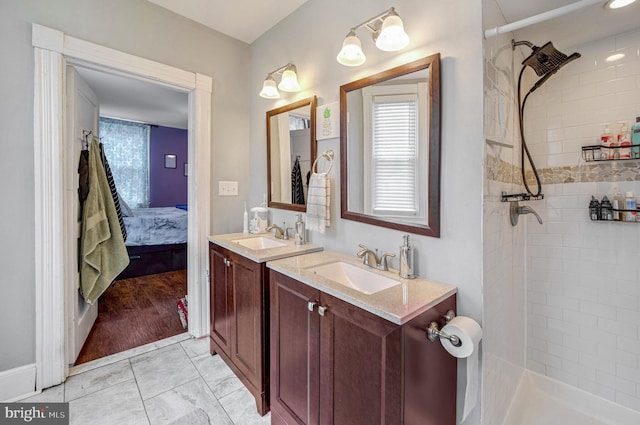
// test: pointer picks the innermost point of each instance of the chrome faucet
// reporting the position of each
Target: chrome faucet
(279, 233)
(370, 258)
(515, 210)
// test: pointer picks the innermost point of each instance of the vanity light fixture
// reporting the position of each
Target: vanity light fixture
(388, 34)
(288, 82)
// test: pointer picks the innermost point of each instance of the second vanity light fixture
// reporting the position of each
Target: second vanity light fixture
(289, 82)
(388, 34)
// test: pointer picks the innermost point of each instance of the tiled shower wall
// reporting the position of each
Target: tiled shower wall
(583, 277)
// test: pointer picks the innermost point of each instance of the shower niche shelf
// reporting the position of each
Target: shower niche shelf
(593, 153)
(505, 197)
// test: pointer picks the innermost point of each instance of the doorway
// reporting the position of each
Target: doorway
(138, 123)
(53, 50)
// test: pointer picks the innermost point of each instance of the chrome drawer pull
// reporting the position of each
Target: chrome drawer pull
(322, 310)
(311, 305)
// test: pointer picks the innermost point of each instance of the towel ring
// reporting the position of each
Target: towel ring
(328, 154)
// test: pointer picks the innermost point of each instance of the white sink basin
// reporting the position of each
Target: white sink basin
(259, 242)
(354, 277)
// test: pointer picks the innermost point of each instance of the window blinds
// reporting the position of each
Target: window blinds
(394, 149)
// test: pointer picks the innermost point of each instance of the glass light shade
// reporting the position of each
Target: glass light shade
(351, 53)
(289, 81)
(616, 4)
(392, 36)
(269, 89)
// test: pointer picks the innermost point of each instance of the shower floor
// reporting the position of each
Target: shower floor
(543, 401)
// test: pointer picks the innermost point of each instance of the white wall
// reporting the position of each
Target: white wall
(584, 277)
(503, 245)
(311, 38)
(133, 26)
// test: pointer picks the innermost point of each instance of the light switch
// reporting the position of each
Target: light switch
(227, 188)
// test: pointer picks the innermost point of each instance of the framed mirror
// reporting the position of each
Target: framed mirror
(390, 148)
(291, 150)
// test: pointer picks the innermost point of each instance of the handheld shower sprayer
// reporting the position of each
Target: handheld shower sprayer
(545, 61)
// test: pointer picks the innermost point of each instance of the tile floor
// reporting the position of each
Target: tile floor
(154, 385)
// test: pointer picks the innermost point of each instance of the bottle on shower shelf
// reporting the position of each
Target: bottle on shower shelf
(623, 140)
(635, 138)
(606, 139)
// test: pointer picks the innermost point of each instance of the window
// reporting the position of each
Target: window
(126, 145)
(393, 134)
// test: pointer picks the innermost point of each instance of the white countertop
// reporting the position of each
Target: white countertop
(398, 304)
(262, 255)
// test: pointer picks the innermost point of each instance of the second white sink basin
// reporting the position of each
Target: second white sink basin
(354, 277)
(259, 242)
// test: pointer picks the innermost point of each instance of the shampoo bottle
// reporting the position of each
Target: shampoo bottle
(617, 202)
(624, 142)
(630, 207)
(406, 260)
(635, 138)
(606, 139)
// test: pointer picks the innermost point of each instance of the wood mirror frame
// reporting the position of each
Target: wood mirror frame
(311, 103)
(431, 226)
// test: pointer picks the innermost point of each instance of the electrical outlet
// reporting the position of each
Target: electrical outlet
(227, 188)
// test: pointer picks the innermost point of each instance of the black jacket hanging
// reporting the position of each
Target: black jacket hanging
(297, 188)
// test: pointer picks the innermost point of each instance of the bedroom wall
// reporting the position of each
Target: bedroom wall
(133, 26)
(167, 186)
(311, 38)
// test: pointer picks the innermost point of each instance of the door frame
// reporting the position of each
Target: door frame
(52, 51)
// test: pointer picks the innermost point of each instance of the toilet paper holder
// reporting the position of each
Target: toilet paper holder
(434, 333)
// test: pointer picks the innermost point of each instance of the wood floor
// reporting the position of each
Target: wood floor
(135, 311)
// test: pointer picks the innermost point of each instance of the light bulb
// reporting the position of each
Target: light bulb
(351, 53)
(392, 36)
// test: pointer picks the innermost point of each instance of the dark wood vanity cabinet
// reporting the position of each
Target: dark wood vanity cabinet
(334, 363)
(239, 291)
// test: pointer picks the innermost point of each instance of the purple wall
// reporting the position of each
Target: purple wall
(167, 186)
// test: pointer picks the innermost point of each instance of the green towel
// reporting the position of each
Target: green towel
(104, 255)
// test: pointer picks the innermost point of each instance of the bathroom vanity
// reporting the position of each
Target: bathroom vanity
(239, 290)
(340, 355)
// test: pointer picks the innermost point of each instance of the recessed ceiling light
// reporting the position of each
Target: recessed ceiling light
(617, 4)
(615, 57)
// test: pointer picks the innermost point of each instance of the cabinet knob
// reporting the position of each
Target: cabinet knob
(322, 310)
(311, 305)
(227, 262)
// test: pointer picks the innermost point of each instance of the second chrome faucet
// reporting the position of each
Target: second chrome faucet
(370, 258)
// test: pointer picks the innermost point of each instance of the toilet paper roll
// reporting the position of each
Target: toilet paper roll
(470, 334)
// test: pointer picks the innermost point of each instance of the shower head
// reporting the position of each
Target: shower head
(545, 60)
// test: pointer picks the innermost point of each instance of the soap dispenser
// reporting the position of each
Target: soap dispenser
(300, 236)
(406, 260)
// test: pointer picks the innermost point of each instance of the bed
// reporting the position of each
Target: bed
(156, 241)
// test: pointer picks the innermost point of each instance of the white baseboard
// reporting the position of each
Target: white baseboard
(17, 383)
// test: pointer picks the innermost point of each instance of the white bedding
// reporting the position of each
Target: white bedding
(156, 226)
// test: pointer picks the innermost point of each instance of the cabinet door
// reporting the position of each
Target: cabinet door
(247, 326)
(294, 352)
(360, 366)
(220, 299)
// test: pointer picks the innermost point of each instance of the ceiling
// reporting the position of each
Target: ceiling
(582, 26)
(245, 20)
(137, 100)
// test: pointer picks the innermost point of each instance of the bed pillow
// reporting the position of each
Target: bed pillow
(126, 211)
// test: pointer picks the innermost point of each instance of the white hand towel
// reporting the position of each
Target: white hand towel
(318, 203)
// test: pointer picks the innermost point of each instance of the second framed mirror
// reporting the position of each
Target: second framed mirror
(291, 150)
